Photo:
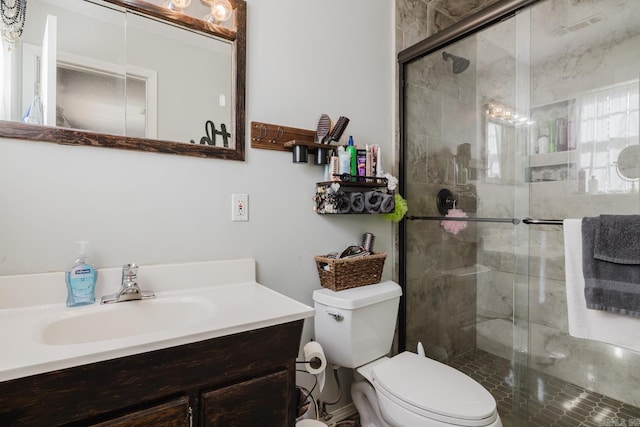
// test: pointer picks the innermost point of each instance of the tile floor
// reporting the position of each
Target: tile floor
(544, 401)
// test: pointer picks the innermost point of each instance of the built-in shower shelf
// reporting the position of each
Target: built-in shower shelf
(549, 167)
(548, 159)
(467, 271)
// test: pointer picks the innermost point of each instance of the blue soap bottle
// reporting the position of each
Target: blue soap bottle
(81, 280)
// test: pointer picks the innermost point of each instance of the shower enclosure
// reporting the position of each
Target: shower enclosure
(519, 112)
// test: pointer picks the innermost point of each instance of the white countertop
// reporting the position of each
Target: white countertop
(235, 303)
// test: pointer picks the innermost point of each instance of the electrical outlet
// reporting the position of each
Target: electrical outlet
(239, 207)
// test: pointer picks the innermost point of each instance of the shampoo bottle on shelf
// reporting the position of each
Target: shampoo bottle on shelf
(344, 161)
(351, 149)
(593, 185)
(81, 280)
(582, 181)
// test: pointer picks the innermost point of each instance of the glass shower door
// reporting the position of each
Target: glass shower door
(533, 117)
(584, 114)
(466, 140)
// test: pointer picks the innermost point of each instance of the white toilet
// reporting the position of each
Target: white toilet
(355, 327)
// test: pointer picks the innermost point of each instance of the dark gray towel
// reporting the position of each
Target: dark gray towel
(608, 286)
(388, 203)
(357, 202)
(372, 201)
(618, 239)
(343, 203)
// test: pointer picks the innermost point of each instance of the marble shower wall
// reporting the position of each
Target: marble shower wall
(418, 19)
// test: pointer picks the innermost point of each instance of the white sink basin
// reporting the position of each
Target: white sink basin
(125, 319)
(194, 302)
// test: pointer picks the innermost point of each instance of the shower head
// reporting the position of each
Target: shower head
(459, 63)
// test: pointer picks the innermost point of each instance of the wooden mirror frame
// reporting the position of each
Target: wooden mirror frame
(18, 130)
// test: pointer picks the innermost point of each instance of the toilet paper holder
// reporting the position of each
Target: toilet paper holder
(314, 358)
(315, 362)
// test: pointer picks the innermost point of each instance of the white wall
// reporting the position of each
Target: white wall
(304, 58)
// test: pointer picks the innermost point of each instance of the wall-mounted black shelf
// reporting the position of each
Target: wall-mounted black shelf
(355, 195)
(346, 179)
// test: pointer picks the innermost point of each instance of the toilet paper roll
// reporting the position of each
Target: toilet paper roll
(314, 354)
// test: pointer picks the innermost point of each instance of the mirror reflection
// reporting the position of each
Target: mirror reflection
(95, 66)
(629, 162)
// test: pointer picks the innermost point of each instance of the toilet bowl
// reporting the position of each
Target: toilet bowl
(355, 327)
(412, 390)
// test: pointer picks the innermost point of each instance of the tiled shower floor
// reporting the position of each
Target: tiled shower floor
(549, 401)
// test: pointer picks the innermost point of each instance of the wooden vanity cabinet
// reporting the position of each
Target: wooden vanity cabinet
(245, 379)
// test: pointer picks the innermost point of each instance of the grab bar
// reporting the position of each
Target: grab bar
(513, 221)
(532, 221)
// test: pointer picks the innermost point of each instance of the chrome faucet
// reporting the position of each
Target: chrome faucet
(129, 289)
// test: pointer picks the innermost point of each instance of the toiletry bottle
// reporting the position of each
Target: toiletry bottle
(81, 280)
(582, 181)
(533, 138)
(379, 171)
(593, 185)
(351, 149)
(344, 161)
(361, 164)
(552, 137)
(334, 164)
(543, 144)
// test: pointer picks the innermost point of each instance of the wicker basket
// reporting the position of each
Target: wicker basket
(345, 273)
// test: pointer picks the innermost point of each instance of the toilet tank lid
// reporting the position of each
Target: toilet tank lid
(362, 296)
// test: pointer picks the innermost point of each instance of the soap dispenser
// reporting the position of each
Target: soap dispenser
(81, 279)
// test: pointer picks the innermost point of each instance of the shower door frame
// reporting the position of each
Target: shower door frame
(491, 15)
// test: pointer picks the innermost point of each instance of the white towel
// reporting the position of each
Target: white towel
(597, 325)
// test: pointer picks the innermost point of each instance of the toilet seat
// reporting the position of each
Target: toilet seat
(433, 390)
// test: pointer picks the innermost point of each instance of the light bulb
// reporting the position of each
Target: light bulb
(221, 10)
(178, 5)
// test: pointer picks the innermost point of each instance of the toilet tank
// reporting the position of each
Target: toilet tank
(356, 326)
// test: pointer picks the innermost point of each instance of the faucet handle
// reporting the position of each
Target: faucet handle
(129, 270)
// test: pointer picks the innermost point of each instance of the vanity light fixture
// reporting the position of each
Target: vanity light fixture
(178, 5)
(13, 14)
(220, 11)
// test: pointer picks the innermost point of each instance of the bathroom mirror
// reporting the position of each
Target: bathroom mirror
(629, 162)
(128, 74)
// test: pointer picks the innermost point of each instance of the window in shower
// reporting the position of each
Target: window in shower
(608, 122)
(494, 141)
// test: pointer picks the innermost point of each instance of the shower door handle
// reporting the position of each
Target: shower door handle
(533, 221)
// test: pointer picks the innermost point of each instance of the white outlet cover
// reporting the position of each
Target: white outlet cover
(239, 207)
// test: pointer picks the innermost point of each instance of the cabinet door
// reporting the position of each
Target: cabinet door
(258, 402)
(173, 413)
